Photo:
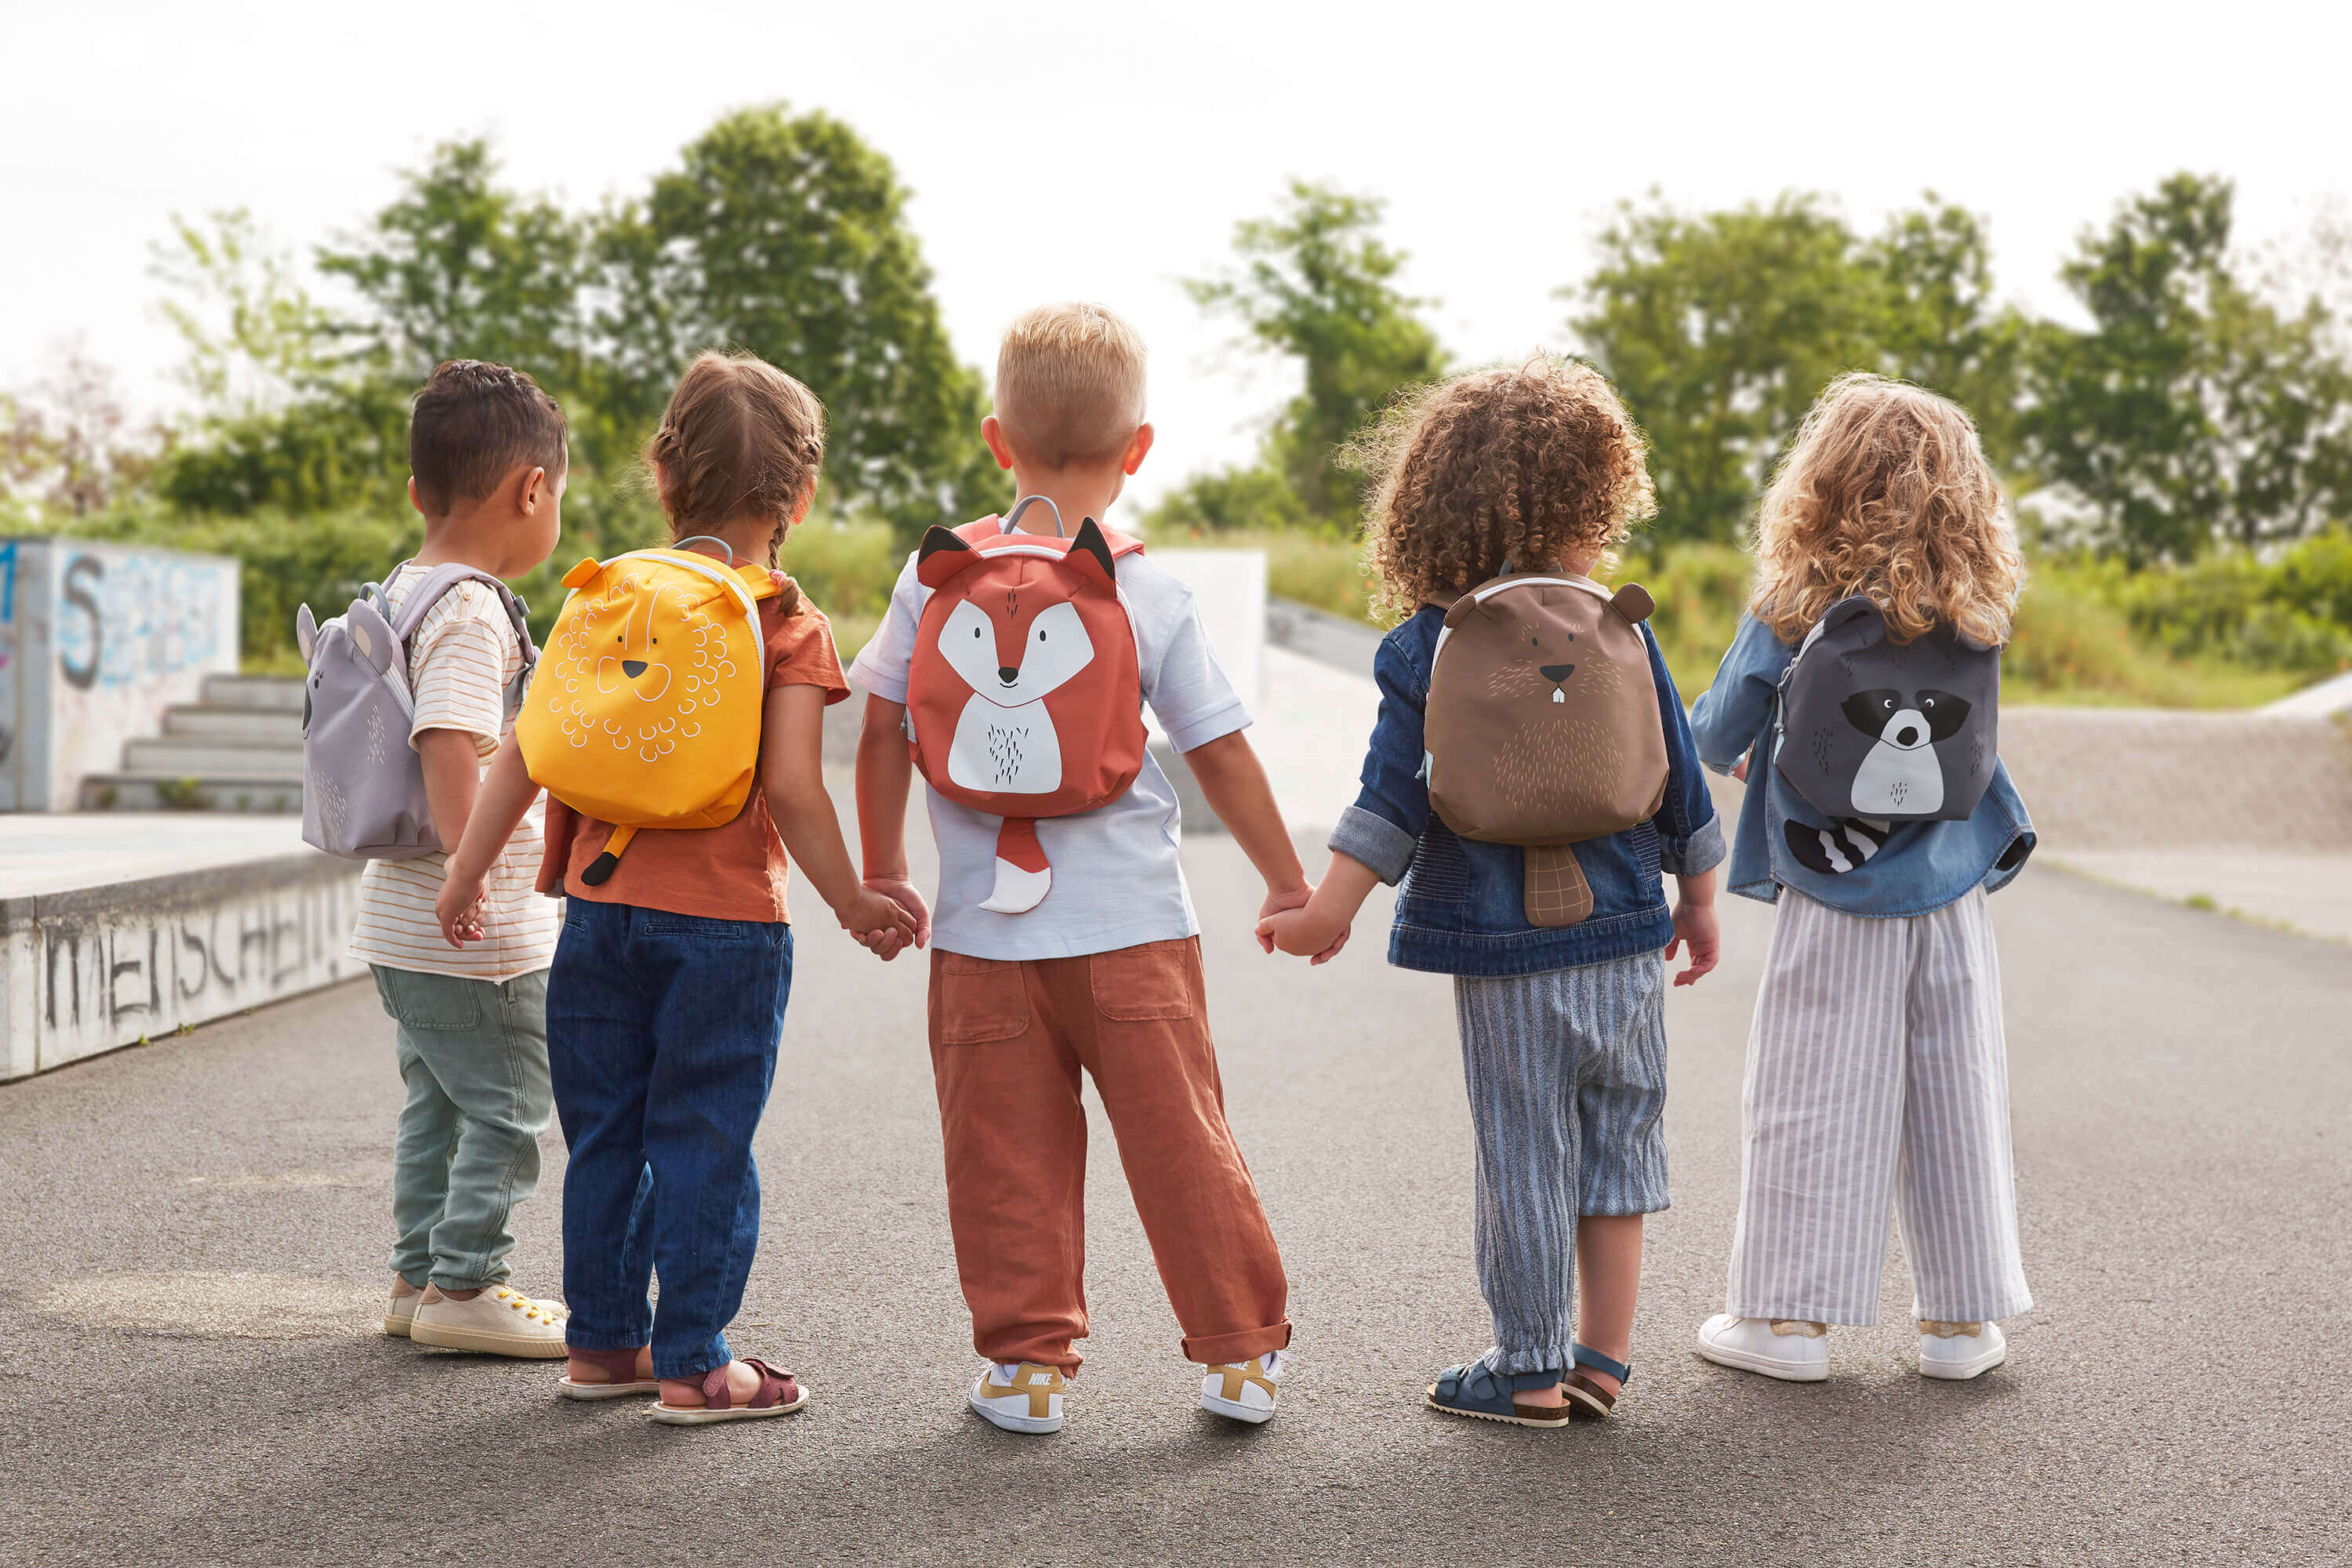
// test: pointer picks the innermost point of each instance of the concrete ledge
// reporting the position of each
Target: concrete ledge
(87, 970)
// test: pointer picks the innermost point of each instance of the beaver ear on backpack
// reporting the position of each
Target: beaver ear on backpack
(940, 556)
(1633, 602)
(1090, 553)
(1465, 608)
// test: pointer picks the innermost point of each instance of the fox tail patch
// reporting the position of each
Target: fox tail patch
(1023, 877)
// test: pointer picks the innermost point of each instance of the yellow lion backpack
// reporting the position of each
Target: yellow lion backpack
(645, 711)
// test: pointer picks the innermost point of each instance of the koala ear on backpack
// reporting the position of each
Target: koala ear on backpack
(1633, 602)
(1090, 553)
(940, 556)
(306, 631)
(370, 635)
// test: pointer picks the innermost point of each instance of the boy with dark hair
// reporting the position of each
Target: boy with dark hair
(487, 464)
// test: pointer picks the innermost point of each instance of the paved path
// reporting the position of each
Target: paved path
(194, 1233)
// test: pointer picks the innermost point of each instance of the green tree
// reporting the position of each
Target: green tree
(1318, 284)
(1939, 324)
(786, 234)
(2193, 410)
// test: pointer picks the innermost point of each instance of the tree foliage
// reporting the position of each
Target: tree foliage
(1316, 284)
(2193, 410)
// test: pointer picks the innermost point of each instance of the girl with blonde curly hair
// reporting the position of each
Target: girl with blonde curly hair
(1536, 470)
(1877, 1073)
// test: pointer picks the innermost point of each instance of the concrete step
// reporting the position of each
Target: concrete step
(178, 755)
(206, 792)
(276, 692)
(262, 724)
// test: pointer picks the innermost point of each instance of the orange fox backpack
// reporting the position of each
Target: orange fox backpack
(644, 711)
(1024, 697)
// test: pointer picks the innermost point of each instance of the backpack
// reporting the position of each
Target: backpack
(646, 713)
(362, 783)
(1541, 726)
(1024, 694)
(1887, 731)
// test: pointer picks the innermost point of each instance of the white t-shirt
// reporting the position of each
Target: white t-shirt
(461, 659)
(1117, 882)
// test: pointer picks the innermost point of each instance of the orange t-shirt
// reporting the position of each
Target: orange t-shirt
(732, 873)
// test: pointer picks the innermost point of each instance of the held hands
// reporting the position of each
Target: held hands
(459, 909)
(1289, 921)
(1694, 924)
(887, 916)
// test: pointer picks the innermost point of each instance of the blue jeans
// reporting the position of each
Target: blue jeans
(473, 1056)
(662, 1033)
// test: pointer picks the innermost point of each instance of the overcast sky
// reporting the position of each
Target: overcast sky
(1105, 152)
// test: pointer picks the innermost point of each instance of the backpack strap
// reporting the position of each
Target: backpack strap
(435, 586)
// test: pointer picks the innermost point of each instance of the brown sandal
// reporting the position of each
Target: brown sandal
(777, 1395)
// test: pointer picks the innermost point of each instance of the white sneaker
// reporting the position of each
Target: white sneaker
(397, 1315)
(1020, 1395)
(1962, 1356)
(1244, 1391)
(498, 1321)
(1751, 1345)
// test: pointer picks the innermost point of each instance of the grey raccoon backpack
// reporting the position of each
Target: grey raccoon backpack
(1890, 731)
(362, 784)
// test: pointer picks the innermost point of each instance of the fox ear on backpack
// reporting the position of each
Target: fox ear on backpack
(940, 556)
(1090, 553)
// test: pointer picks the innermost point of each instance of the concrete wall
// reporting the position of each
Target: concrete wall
(95, 641)
(88, 971)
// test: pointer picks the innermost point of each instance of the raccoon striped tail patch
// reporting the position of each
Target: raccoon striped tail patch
(1846, 843)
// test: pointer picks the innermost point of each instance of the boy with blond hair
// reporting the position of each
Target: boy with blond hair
(1104, 975)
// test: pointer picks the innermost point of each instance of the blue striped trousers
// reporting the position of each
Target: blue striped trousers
(1567, 1073)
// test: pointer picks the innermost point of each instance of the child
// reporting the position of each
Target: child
(668, 995)
(1563, 1029)
(1105, 973)
(1876, 1066)
(486, 469)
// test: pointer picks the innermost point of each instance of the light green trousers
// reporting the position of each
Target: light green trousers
(473, 1056)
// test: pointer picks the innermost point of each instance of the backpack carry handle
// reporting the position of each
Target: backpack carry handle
(691, 538)
(1013, 517)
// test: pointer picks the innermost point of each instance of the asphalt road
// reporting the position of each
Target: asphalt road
(192, 1236)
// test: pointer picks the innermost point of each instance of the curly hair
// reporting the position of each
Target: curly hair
(1526, 465)
(1886, 491)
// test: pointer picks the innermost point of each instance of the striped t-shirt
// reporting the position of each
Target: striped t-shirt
(461, 659)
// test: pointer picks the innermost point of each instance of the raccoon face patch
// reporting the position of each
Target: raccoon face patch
(1901, 774)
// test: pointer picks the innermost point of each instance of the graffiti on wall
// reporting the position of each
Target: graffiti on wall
(136, 619)
(113, 977)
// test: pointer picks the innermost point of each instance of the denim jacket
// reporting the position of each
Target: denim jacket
(1461, 909)
(1922, 866)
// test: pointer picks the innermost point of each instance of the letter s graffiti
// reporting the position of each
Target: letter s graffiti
(79, 574)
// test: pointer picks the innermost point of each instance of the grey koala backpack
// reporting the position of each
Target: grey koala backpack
(362, 784)
(1887, 731)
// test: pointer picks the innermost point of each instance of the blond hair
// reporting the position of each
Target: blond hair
(1070, 383)
(1886, 491)
(1523, 464)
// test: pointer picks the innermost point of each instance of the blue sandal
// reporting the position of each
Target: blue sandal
(1479, 1390)
(1587, 1398)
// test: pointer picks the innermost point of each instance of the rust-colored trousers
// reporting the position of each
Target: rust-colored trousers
(1007, 1044)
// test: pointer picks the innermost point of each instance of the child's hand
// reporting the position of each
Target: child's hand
(878, 922)
(1740, 768)
(902, 891)
(459, 909)
(1694, 924)
(1303, 934)
(1276, 903)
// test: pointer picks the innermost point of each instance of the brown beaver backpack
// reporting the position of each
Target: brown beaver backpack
(1541, 726)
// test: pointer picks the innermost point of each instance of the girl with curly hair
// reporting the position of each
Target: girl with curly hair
(1877, 1074)
(1534, 469)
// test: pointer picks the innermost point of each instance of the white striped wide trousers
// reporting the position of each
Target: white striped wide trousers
(1876, 1070)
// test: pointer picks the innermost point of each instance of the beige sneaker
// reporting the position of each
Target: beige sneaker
(399, 1312)
(498, 1321)
(1021, 1396)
